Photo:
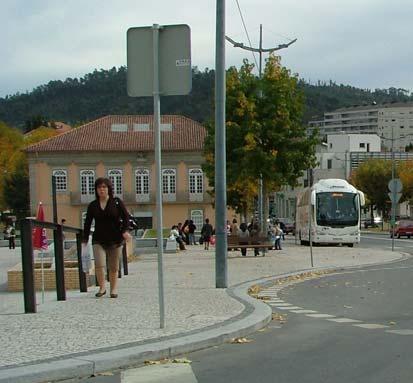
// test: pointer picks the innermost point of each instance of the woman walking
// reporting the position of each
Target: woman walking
(111, 225)
(206, 233)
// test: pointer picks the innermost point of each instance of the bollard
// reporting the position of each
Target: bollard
(59, 263)
(82, 273)
(125, 260)
(26, 229)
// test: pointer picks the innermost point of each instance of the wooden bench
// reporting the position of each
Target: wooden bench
(255, 242)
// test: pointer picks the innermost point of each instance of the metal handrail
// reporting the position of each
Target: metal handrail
(26, 230)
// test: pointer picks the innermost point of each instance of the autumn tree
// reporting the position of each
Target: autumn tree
(14, 181)
(405, 173)
(264, 133)
(372, 177)
(11, 140)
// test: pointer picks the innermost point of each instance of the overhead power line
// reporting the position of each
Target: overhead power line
(246, 31)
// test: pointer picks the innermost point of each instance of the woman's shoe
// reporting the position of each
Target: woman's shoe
(113, 295)
(99, 294)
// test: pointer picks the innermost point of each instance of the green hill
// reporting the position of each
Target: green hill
(103, 92)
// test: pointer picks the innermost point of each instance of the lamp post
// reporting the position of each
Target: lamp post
(394, 190)
(260, 50)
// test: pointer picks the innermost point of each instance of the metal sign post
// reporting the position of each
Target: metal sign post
(310, 215)
(395, 186)
(159, 63)
(158, 166)
(221, 263)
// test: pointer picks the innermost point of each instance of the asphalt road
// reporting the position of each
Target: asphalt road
(360, 331)
(384, 241)
(373, 344)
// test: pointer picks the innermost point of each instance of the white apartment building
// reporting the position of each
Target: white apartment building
(334, 161)
(391, 121)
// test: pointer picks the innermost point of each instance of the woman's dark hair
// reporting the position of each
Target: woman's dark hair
(103, 181)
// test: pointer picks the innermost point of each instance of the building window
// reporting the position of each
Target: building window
(142, 185)
(362, 145)
(329, 164)
(115, 176)
(142, 181)
(197, 217)
(196, 181)
(61, 180)
(169, 181)
(331, 145)
(87, 182)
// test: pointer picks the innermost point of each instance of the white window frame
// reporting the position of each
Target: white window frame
(197, 216)
(196, 184)
(169, 184)
(87, 185)
(142, 184)
(116, 178)
(61, 180)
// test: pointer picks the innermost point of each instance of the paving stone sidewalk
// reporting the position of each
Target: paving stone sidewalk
(84, 323)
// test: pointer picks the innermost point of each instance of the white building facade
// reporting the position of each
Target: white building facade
(389, 120)
(334, 160)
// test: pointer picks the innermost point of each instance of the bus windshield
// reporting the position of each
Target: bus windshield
(336, 209)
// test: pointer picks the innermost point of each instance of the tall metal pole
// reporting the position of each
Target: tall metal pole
(158, 165)
(310, 215)
(261, 190)
(393, 200)
(221, 272)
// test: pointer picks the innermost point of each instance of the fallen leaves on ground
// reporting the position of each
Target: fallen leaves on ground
(240, 340)
(254, 290)
(134, 258)
(263, 297)
(303, 276)
(153, 362)
(279, 317)
(182, 360)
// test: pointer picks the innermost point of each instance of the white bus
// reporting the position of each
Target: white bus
(335, 213)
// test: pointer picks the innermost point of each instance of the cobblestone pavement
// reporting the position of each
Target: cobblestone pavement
(84, 323)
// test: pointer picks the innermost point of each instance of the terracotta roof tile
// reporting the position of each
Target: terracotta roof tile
(96, 136)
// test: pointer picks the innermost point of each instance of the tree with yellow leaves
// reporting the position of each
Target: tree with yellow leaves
(264, 133)
(405, 173)
(14, 177)
(372, 177)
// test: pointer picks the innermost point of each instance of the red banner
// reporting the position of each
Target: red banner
(39, 234)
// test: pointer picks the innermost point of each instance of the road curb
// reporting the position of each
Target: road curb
(255, 315)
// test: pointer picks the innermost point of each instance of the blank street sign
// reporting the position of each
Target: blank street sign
(395, 185)
(175, 74)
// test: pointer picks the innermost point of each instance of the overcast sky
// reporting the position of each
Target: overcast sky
(364, 43)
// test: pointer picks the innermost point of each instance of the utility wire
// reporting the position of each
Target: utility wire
(246, 31)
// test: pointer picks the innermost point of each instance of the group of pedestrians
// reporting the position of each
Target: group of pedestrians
(244, 231)
(184, 234)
